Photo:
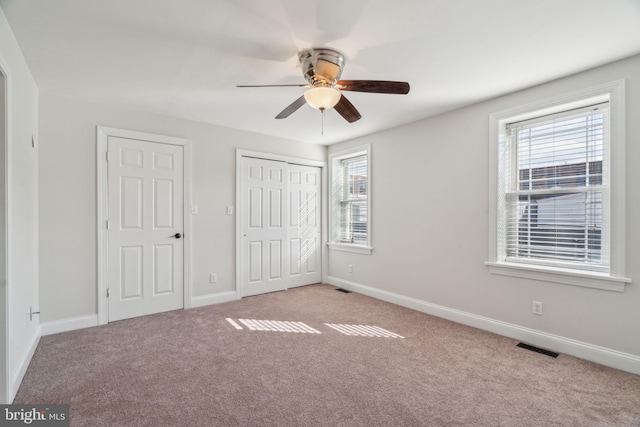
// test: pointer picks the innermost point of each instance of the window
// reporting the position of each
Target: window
(350, 200)
(555, 193)
(557, 189)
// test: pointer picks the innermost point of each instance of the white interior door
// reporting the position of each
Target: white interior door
(145, 241)
(263, 226)
(304, 231)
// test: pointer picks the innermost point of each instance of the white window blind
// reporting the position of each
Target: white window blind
(352, 200)
(557, 189)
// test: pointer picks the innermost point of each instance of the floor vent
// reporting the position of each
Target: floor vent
(344, 291)
(539, 350)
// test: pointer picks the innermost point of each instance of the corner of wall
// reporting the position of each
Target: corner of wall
(22, 208)
(22, 365)
(204, 300)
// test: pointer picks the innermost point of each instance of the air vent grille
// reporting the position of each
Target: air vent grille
(538, 350)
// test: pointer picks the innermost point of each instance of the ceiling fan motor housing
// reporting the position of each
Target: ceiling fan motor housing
(321, 66)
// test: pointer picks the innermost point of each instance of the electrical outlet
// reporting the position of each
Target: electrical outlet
(536, 307)
(350, 268)
(213, 278)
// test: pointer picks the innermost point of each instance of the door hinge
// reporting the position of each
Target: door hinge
(107, 292)
(108, 224)
(107, 156)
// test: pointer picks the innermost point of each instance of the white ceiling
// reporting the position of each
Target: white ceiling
(185, 57)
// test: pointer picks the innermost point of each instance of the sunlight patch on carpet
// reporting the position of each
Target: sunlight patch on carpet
(275, 326)
(234, 324)
(363, 330)
(300, 327)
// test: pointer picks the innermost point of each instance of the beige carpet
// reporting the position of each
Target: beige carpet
(195, 368)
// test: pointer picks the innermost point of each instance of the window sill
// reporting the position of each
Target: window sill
(346, 247)
(587, 279)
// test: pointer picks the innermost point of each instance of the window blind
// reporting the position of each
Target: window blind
(353, 200)
(557, 189)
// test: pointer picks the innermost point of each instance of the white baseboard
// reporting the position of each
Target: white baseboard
(218, 298)
(602, 355)
(70, 324)
(80, 322)
(22, 366)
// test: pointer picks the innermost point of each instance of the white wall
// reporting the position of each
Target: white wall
(22, 212)
(430, 226)
(68, 275)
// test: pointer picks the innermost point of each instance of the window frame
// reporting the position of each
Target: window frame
(614, 279)
(335, 168)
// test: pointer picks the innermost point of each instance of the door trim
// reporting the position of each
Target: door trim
(102, 136)
(8, 388)
(240, 153)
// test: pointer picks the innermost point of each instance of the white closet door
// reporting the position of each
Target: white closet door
(304, 226)
(264, 263)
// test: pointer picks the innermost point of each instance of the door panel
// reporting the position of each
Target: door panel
(255, 262)
(275, 209)
(275, 259)
(255, 208)
(163, 275)
(294, 253)
(163, 204)
(131, 272)
(131, 203)
(145, 199)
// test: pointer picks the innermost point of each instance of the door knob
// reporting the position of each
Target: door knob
(177, 235)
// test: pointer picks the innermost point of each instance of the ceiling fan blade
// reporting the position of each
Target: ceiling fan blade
(298, 85)
(292, 108)
(347, 110)
(375, 86)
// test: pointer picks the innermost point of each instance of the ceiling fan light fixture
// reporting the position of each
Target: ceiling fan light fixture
(322, 97)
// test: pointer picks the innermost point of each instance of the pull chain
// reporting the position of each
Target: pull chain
(322, 122)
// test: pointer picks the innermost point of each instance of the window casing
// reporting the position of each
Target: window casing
(557, 189)
(350, 200)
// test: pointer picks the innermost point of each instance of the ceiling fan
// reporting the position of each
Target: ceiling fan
(322, 68)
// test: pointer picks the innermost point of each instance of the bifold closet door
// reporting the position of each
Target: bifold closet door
(304, 225)
(280, 225)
